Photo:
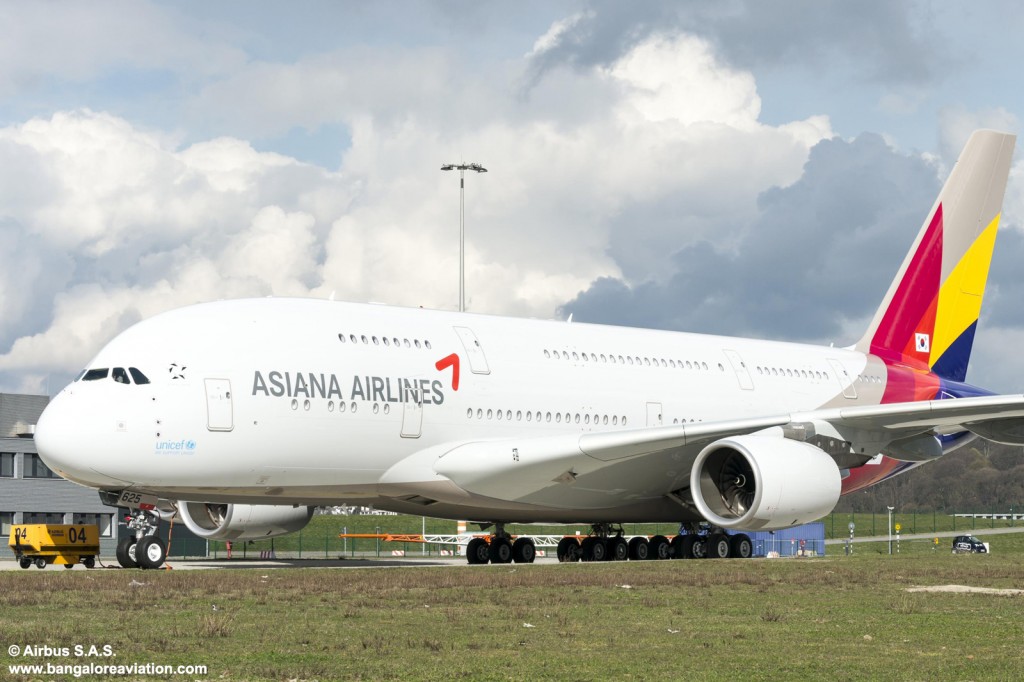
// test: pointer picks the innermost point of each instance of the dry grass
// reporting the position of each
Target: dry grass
(834, 618)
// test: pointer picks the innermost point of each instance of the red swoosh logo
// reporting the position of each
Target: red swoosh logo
(453, 362)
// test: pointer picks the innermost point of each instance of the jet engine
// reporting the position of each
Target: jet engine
(242, 521)
(763, 483)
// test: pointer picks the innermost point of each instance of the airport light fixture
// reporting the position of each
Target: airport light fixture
(462, 168)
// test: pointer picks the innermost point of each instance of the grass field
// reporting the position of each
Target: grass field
(837, 618)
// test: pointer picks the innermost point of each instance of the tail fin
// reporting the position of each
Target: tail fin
(930, 313)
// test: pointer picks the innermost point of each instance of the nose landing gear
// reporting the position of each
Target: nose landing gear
(143, 548)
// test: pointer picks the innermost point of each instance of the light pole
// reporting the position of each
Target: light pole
(462, 168)
(890, 528)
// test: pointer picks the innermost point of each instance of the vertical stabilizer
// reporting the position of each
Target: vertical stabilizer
(929, 315)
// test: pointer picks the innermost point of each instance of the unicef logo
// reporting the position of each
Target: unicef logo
(190, 445)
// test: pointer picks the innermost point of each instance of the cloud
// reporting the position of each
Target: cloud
(135, 222)
(44, 47)
(811, 265)
(893, 43)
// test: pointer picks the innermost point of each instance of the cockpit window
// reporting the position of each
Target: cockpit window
(121, 376)
(96, 374)
(137, 376)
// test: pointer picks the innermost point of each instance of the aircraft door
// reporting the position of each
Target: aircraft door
(740, 368)
(474, 351)
(412, 418)
(219, 411)
(843, 377)
(654, 416)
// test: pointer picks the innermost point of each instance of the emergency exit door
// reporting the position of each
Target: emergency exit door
(219, 412)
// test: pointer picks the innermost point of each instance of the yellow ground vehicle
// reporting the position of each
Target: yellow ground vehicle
(41, 544)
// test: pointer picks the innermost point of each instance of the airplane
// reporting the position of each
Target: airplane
(242, 416)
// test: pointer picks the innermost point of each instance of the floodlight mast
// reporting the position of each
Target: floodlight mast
(462, 168)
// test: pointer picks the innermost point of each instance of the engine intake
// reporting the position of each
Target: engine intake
(763, 483)
(242, 521)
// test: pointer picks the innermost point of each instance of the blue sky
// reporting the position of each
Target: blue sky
(158, 154)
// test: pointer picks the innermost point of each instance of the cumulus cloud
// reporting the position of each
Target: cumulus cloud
(125, 221)
(892, 42)
(811, 265)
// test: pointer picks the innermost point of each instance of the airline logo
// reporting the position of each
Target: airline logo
(453, 362)
(277, 384)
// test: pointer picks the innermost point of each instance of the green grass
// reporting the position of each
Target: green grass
(837, 618)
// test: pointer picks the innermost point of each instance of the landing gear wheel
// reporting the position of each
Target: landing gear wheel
(618, 549)
(89, 562)
(150, 552)
(126, 552)
(40, 562)
(500, 551)
(688, 546)
(25, 562)
(659, 548)
(477, 551)
(639, 549)
(718, 546)
(568, 550)
(740, 546)
(594, 549)
(523, 551)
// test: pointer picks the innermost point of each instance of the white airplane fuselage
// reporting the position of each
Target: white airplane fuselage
(296, 401)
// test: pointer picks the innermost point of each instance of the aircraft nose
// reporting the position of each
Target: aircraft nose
(61, 442)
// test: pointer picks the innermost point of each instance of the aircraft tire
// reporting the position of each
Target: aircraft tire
(594, 549)
(524, 551)
(659, 548)
(500, 551)
(678, 547)
(568, 550)
(740, 546)
(639, 549)
(618, 549)
(150, 552)
(717, 546)
(477, 551)
(686, 547)
(126, 552)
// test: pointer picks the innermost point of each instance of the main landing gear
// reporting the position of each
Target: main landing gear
(607, 543)
(143, 548)
(500, 548)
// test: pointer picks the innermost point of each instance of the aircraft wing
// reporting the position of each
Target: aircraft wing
(521, 469)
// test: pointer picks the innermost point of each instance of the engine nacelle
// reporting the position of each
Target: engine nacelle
(763, 483)
(242, 521)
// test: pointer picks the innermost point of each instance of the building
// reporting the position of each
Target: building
(29, 491)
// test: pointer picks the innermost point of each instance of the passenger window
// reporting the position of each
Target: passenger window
(96, 374)
(137, 376)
